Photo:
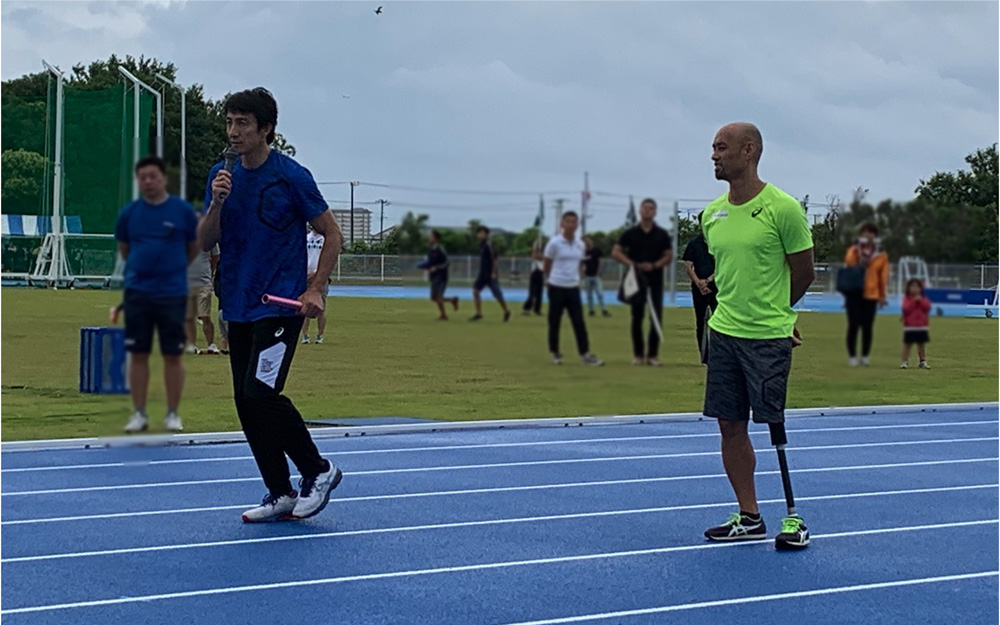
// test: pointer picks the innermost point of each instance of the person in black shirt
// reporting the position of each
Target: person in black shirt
(536, 281)
(488, 276)
(592, 276)
(437, 268)
(700, 267)
(648, 248)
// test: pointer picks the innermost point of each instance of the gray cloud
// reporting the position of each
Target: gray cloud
(527, 96)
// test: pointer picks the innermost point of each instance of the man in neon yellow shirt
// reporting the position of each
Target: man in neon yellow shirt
(762, 244)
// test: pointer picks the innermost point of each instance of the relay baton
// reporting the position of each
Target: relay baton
(283, 302)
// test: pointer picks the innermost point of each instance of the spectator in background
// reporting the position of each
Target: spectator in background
(592, 276)
(563, 256)
(647, 248)
(489, 275)
(700, 268)
(916, 321)
(199, 301)
(863, 305)
(314, 245)
(437, 268)
(536, 281)
(156, 237)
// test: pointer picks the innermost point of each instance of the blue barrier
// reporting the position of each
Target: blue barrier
(975, 297)
(103, 361)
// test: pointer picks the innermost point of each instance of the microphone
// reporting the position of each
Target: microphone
(229, 164)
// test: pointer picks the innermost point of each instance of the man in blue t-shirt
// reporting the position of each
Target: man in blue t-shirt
(489, 276)
(258, 212)
(156, 237)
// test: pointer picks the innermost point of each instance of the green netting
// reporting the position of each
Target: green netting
(26, 143)
(98, 153)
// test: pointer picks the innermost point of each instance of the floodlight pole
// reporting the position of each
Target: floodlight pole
(183, 133)
(354, 183)
(381, 218)
(673, 260)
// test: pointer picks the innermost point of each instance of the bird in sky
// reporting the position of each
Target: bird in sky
(378, 11)
(346, 97)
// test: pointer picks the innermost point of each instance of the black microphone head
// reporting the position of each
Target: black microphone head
(229, 157)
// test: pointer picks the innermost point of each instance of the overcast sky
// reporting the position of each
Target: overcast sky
(526, 96)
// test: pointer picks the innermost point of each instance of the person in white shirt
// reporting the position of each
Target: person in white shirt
(314, 244)
(563, 256)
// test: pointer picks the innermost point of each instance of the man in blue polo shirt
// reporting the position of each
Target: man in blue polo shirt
(258, 214)
(156, 237)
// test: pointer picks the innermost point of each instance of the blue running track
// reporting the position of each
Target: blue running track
(541, 525)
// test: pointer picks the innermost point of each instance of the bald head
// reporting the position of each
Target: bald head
(736, 151)
(745, 136)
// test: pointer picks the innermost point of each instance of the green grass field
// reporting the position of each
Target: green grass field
(385, 357)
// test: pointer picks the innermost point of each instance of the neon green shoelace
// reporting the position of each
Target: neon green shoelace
(791, 525)
(734, 519)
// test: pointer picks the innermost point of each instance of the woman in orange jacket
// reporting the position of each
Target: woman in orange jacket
(863, 305)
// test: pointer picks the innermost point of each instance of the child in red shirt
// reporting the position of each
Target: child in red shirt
(916, 317)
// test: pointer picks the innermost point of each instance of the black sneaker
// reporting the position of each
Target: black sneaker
(475, 317)
(506, 316)
(737, 527)
(794, 534)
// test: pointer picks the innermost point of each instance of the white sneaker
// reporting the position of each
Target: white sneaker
(138, 422)
(314, 493)
(319, 339)
(173, 422)
(924, 365)
(905, 365)
(191, 349)
(272, 509)
(654, 362)
(591, 360)
(212, 349)
(305, 339)
(853, 362)
(638, 362)
(865, 362)
(557, 359)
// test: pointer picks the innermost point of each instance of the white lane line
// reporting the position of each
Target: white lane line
(832, 590)
(494, 465)
(460, 524)
(504, 489)
(471, 567)
(337, 453)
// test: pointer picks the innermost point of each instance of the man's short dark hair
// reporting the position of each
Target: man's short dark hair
(257, 102)
(700, 215)
(648, 200)
(146, 161)
(868, 227)
(483, 229)
(570, 214)
(436, 234)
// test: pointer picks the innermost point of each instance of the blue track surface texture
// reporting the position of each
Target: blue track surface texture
(595, 524)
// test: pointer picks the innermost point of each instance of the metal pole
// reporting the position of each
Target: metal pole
(159, 124)
(381, 219)
(673, 261)
(585, 200)
(159, 115)
(353, 184)
(183, 186)
(56, 262)
(559, 211)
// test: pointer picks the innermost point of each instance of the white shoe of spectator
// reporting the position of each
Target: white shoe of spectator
(173, 422)
(138, 422)
(212, 349)
(191, 349)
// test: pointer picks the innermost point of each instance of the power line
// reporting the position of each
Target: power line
(450, 191)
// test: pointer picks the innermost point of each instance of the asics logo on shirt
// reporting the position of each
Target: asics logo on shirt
(279, 332)
(757, 211)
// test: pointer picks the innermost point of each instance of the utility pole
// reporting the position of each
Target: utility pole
(559, 211)
(354, 183)
(584, 203)
(381, 218)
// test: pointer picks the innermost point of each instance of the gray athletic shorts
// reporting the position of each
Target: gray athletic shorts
(745, 375)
